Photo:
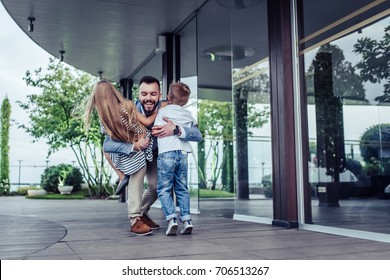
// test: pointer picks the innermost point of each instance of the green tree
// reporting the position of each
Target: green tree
(51, 118)
(375, 63)
(5, 125)
(216, 125)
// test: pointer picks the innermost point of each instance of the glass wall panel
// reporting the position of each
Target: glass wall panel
(251, 109)
(188, 75)
(348, 94)
(215, 160)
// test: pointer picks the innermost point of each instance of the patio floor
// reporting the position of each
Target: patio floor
(99, 230)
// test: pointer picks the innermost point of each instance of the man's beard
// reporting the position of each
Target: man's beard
(149, 112)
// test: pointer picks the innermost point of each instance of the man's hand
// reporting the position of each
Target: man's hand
(141, 144)
(164, 130)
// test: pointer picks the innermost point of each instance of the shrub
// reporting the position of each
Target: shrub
(4, 187)
(267, 185)
(355, 167)
(51, 175)
(374, 142)
(23, 190)
(75, 179)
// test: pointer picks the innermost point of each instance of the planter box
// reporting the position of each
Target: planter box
(36, 192)
(65, 189)
(328, 194)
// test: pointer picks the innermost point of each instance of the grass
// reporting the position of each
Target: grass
(76, 195)
(204, 193)
(83, 194)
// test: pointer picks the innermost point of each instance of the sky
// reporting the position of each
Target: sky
(18, 53)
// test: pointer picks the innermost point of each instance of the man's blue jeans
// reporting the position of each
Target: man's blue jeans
(172, 175)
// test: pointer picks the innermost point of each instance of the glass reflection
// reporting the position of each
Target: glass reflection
(348, 89)
(251, 112)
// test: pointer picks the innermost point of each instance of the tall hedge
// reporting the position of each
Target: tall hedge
(5, 125)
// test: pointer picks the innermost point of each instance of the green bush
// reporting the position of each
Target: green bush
(4, 187)
(267, 185)
(23, 190)
(51, 175)
(355, 167)
(374, 142)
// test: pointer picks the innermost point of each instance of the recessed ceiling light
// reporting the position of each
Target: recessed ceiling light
(226, 53)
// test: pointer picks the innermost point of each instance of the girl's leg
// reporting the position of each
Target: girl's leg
(117, 171)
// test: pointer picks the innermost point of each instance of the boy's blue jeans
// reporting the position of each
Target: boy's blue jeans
(172, 175)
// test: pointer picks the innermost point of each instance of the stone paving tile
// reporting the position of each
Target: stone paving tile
(58, 251)
(95, 230)
(324, 252)
(20, 236)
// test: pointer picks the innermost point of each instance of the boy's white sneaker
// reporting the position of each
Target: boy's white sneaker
(172, 227)
(187, 227)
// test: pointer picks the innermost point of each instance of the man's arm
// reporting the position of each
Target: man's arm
(119, 147)
(191, 134)
(185, 133)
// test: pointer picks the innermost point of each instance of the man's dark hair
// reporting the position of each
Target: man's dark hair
(149, 80)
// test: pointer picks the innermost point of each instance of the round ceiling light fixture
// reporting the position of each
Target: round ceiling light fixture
(226, 53)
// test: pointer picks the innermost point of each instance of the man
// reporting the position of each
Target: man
(140, 201)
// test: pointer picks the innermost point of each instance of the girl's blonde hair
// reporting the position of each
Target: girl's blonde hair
(117, 114)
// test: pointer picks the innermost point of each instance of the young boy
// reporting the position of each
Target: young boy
(172, 159)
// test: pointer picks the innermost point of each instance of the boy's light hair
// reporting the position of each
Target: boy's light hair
(179, 94)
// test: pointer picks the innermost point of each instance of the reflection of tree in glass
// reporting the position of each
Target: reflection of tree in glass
(375, 149)
(375, 63)
(329, 117)
(216, 125)
(256, 81)
(346, 83)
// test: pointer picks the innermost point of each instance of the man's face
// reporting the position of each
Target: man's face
(149, 95)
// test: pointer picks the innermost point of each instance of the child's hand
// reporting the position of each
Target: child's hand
(142, 143)
(163, 104)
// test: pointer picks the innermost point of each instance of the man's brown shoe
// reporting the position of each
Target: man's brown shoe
(149, 222)
(140, 228)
